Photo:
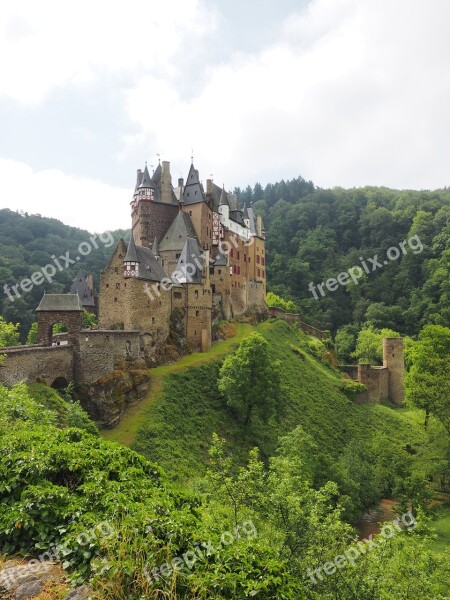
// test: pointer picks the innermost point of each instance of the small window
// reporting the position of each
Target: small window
(116, 270)
(220, 271)
(115, 299)
(153, 320)
(196, 293)
(197, 312)
(177, 255)
(107, 285)
(177, 295)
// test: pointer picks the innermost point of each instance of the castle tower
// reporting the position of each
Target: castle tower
(393, 359)
(154, 205)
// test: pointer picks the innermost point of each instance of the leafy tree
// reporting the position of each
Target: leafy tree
(249, 379)
(428, 380)
(9, 334)
(286, 305)
(89, 320)
(32, 337)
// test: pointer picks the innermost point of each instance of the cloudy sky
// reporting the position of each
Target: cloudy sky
(343, 92)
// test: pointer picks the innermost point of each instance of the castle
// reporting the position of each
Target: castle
(192, 249)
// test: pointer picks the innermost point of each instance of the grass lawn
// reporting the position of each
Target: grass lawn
(442, 527)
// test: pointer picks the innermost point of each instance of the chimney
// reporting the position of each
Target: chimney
(209, 186)
(180, 182)
(259, 225)
(166, 182)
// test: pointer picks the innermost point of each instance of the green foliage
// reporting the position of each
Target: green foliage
(27, 243)
(32, 337)
(9, 334)
(89, 320)
(369, 346)
(428, 380)
(314, 234)
(286, 305)
(249, 379)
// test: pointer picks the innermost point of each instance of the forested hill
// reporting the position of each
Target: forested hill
(30, 242)
(314, 234)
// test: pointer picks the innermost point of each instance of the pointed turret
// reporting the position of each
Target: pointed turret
(223, 198)
(146, 180)
(131, 261)
(193, 190)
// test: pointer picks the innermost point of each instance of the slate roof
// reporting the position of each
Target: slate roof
(193, 190)
(131, 255)
(252, 219)
(149, 268)
(178, 232)
(190, 255)
(232, 200)
(221, 260)
(60, 303)
(80, 287)
(146, 180)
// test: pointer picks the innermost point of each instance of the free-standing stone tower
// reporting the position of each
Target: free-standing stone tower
(394, 361)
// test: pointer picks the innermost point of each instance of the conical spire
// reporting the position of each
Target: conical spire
(131, 255)
(146, 181)
(223, 197)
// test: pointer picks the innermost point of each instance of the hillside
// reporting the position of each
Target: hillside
(314, 234)
(30, 242)
(175, 425)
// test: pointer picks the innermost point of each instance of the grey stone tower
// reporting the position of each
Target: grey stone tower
(393, 359)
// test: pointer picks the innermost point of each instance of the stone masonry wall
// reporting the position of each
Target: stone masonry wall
(100, 351)
(30, 363)
(150, 220)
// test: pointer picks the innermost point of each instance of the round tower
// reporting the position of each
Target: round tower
(394, 361)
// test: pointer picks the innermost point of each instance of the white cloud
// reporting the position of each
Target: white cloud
(49, 43)
(355, 92)
(78, 202)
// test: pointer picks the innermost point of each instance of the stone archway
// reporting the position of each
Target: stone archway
(59, 308)
(60, 383)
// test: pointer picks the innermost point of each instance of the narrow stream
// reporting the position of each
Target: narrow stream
(371, 520)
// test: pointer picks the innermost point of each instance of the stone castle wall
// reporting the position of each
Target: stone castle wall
(29, 363)
(99, 352)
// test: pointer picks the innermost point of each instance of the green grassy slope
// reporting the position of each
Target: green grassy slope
(175, 425)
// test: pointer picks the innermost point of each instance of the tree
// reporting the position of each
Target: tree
(9, 335)
(249, 379)
(286, 305)
(89, 320)
(428, 381)
(32, 337)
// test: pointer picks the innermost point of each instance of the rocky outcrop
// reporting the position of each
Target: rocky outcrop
(107, 398)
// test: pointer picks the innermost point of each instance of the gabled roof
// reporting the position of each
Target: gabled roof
(193, 190)
(232, 200)
(131, 255)
(190, 255)
(178, 232)
(149, 267)
(60, 303)
(252, 218)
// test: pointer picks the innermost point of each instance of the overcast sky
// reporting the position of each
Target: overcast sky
(343, 92)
